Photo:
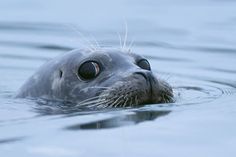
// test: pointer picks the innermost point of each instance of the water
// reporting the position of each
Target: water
(190, 44)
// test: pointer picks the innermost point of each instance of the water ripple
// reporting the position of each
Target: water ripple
(11, 140)
(35, 45)
(119, 121)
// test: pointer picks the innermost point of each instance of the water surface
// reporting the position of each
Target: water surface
(190, 44)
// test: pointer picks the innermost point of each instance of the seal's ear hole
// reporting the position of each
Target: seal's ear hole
(60, 73)
(89, 70)
(144, 64)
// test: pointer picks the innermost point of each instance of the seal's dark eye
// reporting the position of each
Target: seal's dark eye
(89, 70)
(144, 64)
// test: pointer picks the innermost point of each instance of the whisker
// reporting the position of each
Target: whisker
(136, 100)
(130, 45)
(95, 97)
(126, 100)
(90, 46)
(115, 105)
(106, 104)
(102, 104)
(126, 35)
(96, 42)
(119, 104)
(91, 99)
(131, 102)
(120, 39)
(92, 103)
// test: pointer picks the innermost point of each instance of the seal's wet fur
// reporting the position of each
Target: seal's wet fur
(120, 83)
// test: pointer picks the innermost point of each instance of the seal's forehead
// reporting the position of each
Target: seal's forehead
(106, 56)
(115, 55)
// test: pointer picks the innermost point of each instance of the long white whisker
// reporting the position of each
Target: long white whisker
(100, 104)
(115, 102)
(130, 45)
(92, 102)
(126, 100)
(92, 99)
(126, 35)
(120, 40)
(89, 43)
(106, 104)
(96, 42)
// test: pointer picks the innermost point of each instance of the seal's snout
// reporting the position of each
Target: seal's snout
(143, 74)
(159, 90)
(148, 76)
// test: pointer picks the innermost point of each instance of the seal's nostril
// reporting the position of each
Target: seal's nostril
(142, 74)
(60, 73)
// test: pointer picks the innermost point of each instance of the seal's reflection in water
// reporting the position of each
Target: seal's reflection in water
(122, 116)
(119, 121)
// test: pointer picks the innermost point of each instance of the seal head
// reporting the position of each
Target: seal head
(102, 78)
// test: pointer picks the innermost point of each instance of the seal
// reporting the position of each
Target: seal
(101, 78)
